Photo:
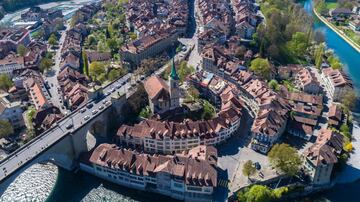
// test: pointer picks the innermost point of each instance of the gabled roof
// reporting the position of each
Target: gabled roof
(156, 86)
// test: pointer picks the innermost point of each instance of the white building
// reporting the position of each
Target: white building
(10, 64)
(320, 158)
(11, 111)
(190, 176)
(168, 137)
(336, 83)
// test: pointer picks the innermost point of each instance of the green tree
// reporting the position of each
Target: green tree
(344, 129)
(248, 168)
(114, 74)
(261, 67)
(96, 69)
(194, 93)
(208, 111)
(85, 63)
(132, 36)
(285, 159)
(52, 39)
(21, 50)
(45, 64)
(273, 84)
(298, 44)
(257, 193)
(184, 70)
(5, 82)
(349, 100)
(318, 55)
(6, 128)
(320, 7)
(113, 45)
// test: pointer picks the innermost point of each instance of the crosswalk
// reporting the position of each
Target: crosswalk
(223, 183)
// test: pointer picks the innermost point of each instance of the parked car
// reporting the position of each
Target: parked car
(82, 110)
(86, 118)
(101, 107)
(94, 112)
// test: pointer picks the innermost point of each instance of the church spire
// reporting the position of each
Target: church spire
(173, 73)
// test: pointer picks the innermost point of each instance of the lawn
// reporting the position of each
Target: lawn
(331, 5)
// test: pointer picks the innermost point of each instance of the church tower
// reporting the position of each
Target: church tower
(174, 87)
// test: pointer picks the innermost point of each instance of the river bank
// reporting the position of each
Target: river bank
(337, 31)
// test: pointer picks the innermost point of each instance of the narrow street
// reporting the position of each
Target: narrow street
(51, 76)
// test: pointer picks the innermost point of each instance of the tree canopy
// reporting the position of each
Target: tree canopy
(21, 50)
(298, 44)
(284, 19)
(45, 64)
(52, 39)
(273, 84)
(261, 67)
(248, 168)
(257, 193)
(6, 128)
(285, 159)
(349, 100)
(96, 69)
(184, 70)
(5, 82)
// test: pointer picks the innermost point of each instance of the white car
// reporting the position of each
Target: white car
(86, 118)
(94, 112)
(82, 110)
(101, 107)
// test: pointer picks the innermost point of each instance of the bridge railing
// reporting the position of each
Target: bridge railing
(47, 131)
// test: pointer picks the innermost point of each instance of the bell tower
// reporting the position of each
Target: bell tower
(174, 87)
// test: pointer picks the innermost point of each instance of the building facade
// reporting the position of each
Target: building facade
(190, 176)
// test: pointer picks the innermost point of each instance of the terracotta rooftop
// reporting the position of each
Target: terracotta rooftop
(197, 167)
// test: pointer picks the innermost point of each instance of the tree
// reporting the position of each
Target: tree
(285, 159)
(261, 67)
(45, 64)
(194, 93)
(85, 63)
(91, 41)
(113, 45)
(240, 52)
(348, 147)
(5, 82)
(184, 70)
(52, 40)
(132, 36)
(345, 130)
(115, 73)
(248, 168)
(320, 6)
(298, 44)
(208, 111)
(349, 100)
(273, 84)
(21, 50)
(6, 128)
(318, 55)
(96, 69)
(258, 193)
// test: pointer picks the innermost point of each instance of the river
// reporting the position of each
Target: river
(48, 183)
